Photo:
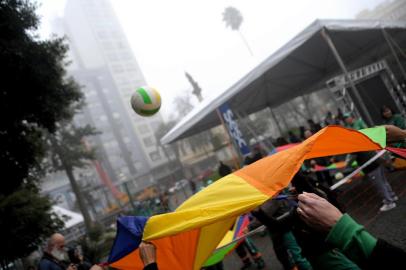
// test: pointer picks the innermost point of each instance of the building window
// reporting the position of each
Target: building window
(131, 67)
(107, 45)
(148, 141)
(154, 156)
(144, 129)
(102, 35)
(155, 125)
(115, 34)
(120, 45)
(117, 69)
(109, 144)
(125, 55)
(112, 57)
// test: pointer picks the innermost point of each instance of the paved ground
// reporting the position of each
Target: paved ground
(362, 203)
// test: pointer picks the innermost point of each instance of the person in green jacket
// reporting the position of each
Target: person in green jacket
(344, 234)
(353, 123)
(391, 118)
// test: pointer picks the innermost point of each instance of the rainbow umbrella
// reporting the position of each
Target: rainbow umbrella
(229, 242)
(186, 238)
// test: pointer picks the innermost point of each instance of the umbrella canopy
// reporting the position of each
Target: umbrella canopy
(301, 66)
(186, 238)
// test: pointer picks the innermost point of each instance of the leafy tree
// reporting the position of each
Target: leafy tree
(35, 94)
(26, 220)
(68, 151)
(96, 244)
(183, 105)
(34, 91)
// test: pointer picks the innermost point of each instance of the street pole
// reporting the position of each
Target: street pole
(127, 190)
(340, 62)
(276, 121)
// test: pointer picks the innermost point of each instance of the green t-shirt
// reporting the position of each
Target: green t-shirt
(397, 120)
(358, 124)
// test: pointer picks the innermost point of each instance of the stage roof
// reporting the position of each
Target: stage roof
(299, 67)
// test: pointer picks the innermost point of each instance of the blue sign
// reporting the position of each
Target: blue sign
(233, 129)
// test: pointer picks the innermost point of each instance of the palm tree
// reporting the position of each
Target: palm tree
(233, 19)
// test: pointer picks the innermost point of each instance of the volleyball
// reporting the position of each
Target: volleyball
(146, 101)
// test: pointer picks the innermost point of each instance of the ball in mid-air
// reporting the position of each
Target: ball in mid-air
(146, 101)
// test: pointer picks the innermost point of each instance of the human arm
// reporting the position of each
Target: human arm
(348, 236)
(343, 232)
(148, 255)
(364, 249)
(394, 134)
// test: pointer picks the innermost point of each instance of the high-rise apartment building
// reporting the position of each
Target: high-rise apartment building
(104, 65)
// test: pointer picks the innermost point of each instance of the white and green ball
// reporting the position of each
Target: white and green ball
(146, 101)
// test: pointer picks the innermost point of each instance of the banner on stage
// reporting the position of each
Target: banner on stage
(233, 129)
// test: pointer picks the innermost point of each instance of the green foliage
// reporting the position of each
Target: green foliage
(68, 151)
(35, 95)
(68, 144)
(96, 244)
(34, 91)
(95, 233)
(26, 220)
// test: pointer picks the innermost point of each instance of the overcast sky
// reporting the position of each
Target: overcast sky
(170, 37)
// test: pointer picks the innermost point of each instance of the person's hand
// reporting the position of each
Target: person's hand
(147, 253)
(394, 134)
(317, 212)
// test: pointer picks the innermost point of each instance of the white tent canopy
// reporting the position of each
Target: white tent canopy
(301, 66)
(69, 217)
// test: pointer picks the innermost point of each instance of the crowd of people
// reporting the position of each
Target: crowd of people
(375, 172)
(306, 224)
(294, 249)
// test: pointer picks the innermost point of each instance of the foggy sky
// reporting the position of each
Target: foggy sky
(171, 37)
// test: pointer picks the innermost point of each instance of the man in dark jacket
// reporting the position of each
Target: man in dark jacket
(55, 256)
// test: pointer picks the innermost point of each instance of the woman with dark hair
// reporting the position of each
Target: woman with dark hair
(391, 118)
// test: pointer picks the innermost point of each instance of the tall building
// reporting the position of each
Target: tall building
(104, 65)
(394, 10)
